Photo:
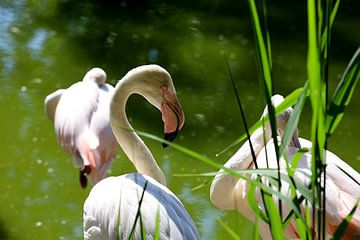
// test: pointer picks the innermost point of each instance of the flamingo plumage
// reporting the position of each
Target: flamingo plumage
(110, 209)
(230, 193)
(80, 115)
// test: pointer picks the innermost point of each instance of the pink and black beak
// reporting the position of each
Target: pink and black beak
(172, 115)
(83, 176)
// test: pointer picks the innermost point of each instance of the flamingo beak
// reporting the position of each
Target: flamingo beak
(83, 173)
(172, 116)
(295, 142)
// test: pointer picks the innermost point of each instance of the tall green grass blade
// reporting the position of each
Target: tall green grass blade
(242, 113)
(334, 12)
(268, 43)
(256, 229)
(340, 231)
(138, 214)
(295, 160)
(343, 94)
(294, 120)
(118, 221)
(308, 221)
(318, 108)
(245, 124)
(351, 177)
(208, 174)
(274, 218)
(212, 163)
(301, 228)
(269, 173)
(319, 18)
(157, 224)
(266, 79)
(201, 185)
(143, 229)
(264, 65)
(231, 232)
(254, 205)
(331, 22)
(290, 215)
(290, 100)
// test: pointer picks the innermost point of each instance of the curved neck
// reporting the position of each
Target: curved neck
(130, 142)
(243, 159)
(224, 187)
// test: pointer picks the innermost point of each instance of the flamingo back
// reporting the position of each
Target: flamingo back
(111, 208)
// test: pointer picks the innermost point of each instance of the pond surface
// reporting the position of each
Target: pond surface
(46, 45)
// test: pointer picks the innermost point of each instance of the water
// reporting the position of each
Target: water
(46, 46)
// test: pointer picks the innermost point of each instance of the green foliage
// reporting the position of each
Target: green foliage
(304, 201)
(340, 231)
(343, 94)
(157, 226)
(138, 216)
(290, 100)
(274, 217)
(294, 120)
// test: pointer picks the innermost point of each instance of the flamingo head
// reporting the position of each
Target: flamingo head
(158, 88)
(282, 120)
(96, 75)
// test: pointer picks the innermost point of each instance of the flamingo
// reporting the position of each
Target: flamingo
(80, 115)
(342, 192)
(111, 208)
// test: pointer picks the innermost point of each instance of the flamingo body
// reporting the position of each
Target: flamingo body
(81, 119)
(228, 192)
(111, 207)
(120, 197)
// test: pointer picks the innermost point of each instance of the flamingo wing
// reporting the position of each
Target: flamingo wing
(111, 208)
(51, 102)
(342, 192)
(73, 115)
(100, 126)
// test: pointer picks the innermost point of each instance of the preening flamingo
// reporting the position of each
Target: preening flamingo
(111, 207)
(228, 192)
(80, 115)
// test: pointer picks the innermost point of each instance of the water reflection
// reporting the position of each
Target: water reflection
(6, 46)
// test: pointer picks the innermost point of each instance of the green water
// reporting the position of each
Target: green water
(46, 45)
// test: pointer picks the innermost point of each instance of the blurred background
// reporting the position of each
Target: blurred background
(46, 45)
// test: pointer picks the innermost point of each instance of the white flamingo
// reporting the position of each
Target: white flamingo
(80, 115)
(111, 207)
(228, 192)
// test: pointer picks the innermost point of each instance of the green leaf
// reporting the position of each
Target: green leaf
(301, 228)
(340, 231)
(270, 173)
(138, 216)
(242, 113)
(290, 100)
(264, 64)
(157, 225)
(256, 229)
(201, 185)
(332, 19)
(254, 205)
(343, 94)
(210, 162)
(292, 123)
(274, 218)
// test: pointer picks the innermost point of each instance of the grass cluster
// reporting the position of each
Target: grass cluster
(307, 202)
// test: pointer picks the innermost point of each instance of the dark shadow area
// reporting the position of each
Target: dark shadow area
(4, 235)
